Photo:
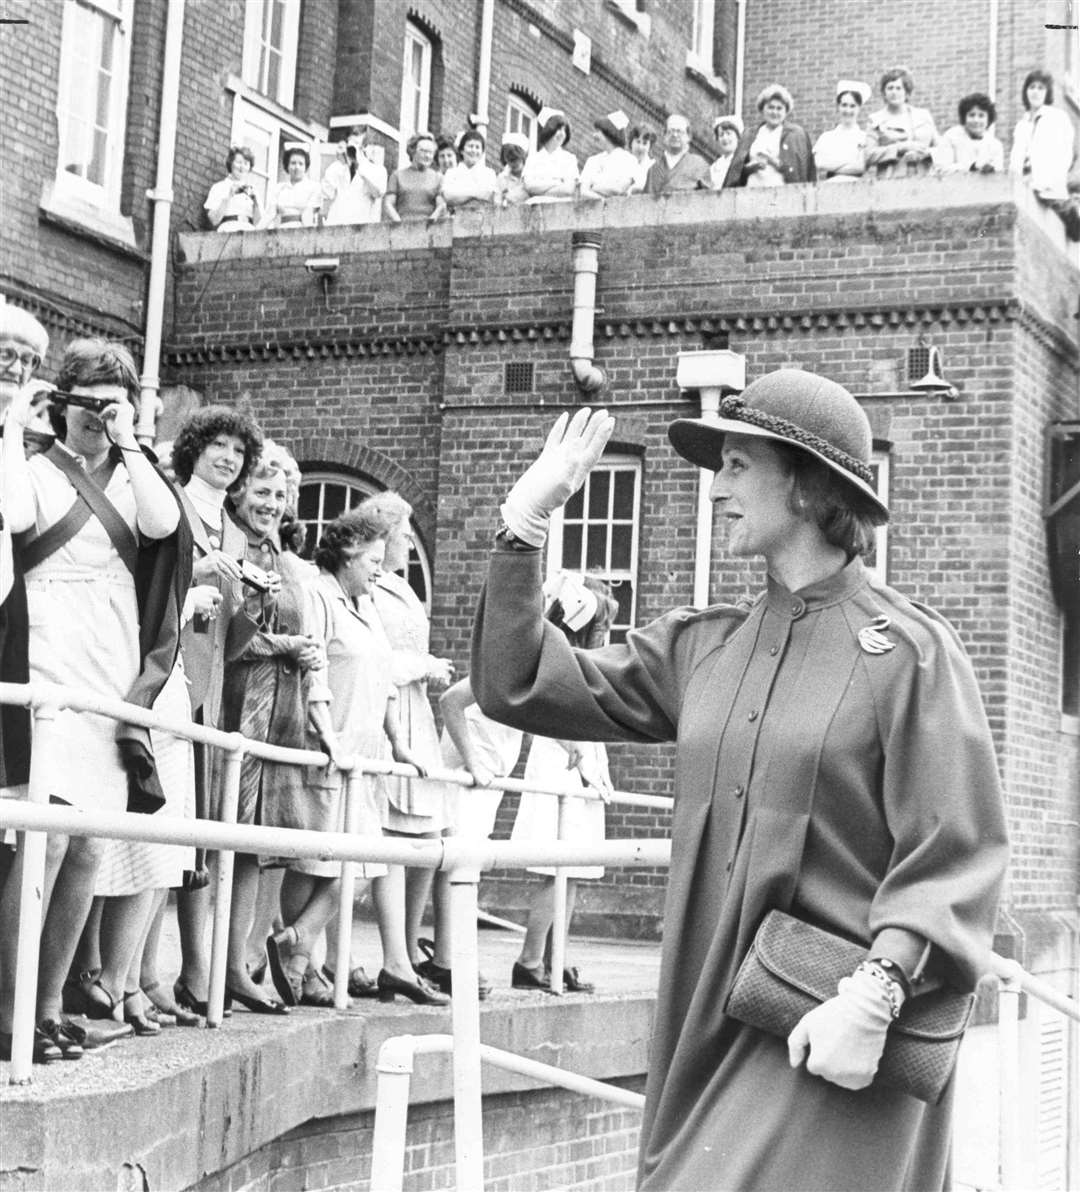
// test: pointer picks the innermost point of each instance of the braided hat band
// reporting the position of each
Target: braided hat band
(793, 406)
(735, 407)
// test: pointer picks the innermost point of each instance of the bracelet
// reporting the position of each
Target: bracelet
(893, 971)
(505, 535)
(891, 990)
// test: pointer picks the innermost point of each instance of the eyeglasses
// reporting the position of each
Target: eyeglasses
(27, 360)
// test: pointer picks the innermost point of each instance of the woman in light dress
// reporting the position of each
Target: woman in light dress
(901, 136)
(551, 172)
(840, 152)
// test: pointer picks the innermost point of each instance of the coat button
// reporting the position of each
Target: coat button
(739, 791)
(774, 650)
(752, 716)
(797, 608)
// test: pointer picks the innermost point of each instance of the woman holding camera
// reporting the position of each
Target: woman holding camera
(89, 507)
(233, 203)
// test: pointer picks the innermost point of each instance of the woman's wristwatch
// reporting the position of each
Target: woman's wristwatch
(507, 537)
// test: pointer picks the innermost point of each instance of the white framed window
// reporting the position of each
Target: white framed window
(635, 12)
(700, 54)
(92, 101)
(878, 562)
(271, 37)
(325, 495)
(598, 531)
(521, 118)
(415, 85)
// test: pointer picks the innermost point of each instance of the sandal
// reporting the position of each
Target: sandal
(164, 1005)
(64, 1037)
(288, 984)
(98, 1002)
(45, 1050)
(315, 990)
(144, 1025)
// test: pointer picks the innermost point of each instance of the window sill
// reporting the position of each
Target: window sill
(1070, 725)
(109, 229)
(640, 21)
(714, 84)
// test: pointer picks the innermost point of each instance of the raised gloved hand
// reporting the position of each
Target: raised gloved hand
(845, 1036)
(572, 448)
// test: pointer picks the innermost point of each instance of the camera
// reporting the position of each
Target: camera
(94, 404)
(254, 576)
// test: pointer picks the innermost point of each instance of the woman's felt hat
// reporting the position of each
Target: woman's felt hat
(789, 406)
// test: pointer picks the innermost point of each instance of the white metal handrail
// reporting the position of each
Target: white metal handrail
(463, 859)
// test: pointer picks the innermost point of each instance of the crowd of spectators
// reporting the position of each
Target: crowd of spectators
(445, 174)
(173, 581)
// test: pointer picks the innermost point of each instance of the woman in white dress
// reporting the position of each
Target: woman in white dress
(840, 152)
(470, 183)
(1043, 150)
(232, 205)
(84, 621)
(901, 136)
(354, 185)
(551, 173)
(583, 608)
(612, 169)
(294, 203)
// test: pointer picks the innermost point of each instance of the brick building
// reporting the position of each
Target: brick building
(433, 358)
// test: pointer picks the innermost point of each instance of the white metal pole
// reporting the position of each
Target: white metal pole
(31, 888)
(343, 945)
(1009, 1081)
(483, 66)
(162, 197)
(558, 900)
(219, 948)
(464, 967)
(394, 1068)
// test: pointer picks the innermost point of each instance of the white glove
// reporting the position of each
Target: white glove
(845, 1035)
(572, 448)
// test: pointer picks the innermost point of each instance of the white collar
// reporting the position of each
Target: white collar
(208, 501)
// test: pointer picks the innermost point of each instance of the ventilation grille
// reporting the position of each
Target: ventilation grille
(518, 377)
(918, 363)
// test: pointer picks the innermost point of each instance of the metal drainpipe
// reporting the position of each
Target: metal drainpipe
(162, 197)
(740, 55)
(992, 49)
(483, 67)
(588, 377)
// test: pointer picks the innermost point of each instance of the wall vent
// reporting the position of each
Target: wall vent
(518, 377)
(918, 363)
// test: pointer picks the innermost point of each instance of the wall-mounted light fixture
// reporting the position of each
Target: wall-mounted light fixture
(324, 269)
(925, 372)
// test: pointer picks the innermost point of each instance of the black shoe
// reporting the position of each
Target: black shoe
(360, 984)
(573, 983)
(527, 978)
(45, 1050)
(186, 1000)
(256, 1004)
(439, 975)
(418, 991)
(316, 991)
(288, 990)
(64, 1038)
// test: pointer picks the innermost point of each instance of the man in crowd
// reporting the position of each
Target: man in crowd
(677, 168)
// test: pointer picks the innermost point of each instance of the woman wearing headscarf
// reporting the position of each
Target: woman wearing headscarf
(900, 135)
(778, 150)
(840, 152)
(833, 762)
(551, 172)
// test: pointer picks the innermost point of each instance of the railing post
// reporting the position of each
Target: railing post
(465, 1004)
(343, 943)
(219, 948)
(31, 890)
(394, 1068)
(558, 900)
(1011, 1151)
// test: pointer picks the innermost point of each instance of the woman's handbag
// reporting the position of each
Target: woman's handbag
(792, 967)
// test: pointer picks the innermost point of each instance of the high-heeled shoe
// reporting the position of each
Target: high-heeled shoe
(63, 1037)
(419, 991)
(256, 1004)
(90, 998)
(45, 1051)
(289, 989)
(188, 1001)
(163, 1004)
(133, 1014)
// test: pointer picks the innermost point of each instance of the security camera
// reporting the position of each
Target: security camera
(322, 266)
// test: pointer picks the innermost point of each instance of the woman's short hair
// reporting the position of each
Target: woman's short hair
(897, 72)
(775, 91)
(202, 428)
(236, 151)
(387, 510)
(845, 517)
(94, 362)
(509, 153)
(415, 139)
(977, 100)
(546, 131)
(1038, 76)
(641, 134)
(470, 134)
(296, 151)
(445, 141)
(274, 458)
(343, 537)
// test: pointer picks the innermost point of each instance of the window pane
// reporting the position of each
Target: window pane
(596, 552)
(1070, 667)
(96, 172)
(333, 502)
(623, 591)
(277, 23)
(307, 507)
(575, 506)
(624, 495)
(571, 547)
(599, 483)
(622, 544)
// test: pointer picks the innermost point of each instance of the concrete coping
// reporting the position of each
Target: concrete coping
(952, 193)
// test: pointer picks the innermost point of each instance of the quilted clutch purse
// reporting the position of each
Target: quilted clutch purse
(792, 967)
